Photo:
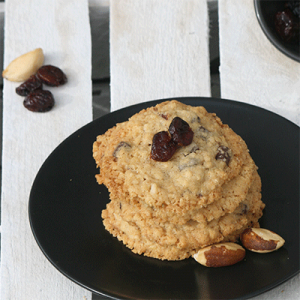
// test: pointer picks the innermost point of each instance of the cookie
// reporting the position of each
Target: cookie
(208, 191)
(192, 178)
(233, 192)
(164, 240)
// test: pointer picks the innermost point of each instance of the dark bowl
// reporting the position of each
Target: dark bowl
(265, 11)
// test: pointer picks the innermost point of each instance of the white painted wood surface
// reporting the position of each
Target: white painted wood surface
(253, 71)
(61, 28)
(159, 49)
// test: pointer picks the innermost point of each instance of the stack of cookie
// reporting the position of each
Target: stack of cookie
(208, 192)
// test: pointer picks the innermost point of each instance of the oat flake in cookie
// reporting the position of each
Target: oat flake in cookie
(208, 191)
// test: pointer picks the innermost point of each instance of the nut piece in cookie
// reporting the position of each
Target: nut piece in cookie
(261, 240)
(220, 255)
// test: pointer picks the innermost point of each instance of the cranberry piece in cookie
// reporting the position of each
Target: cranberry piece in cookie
(163, 147)
(181, 132)
(223, 154)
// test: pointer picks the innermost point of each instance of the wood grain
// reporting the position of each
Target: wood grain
(158, 49)
(252, 70)
(61, 28)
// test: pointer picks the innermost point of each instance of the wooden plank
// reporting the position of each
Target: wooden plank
(252, 70)
(61, 28)
(158, 49)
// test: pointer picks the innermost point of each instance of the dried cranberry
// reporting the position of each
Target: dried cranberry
(51, 75)
(223, 154)
(39, 101)
(181, 132)
(287, 26)
(31, 84)
(163, 146)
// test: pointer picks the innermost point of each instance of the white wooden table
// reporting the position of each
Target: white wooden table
(159, 49)
(61, 28)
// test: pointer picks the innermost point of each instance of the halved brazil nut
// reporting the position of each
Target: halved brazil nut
(220, 255)
(261, 240)
(21, 68)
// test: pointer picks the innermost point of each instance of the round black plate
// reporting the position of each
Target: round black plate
(66, 202)
(265, 12)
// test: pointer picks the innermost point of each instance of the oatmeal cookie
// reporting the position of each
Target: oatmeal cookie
(192, 178)
(208, 191)
(170, 241)
(233, 193)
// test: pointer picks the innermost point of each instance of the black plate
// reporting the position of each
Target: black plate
(265, 12)
(66, 203)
